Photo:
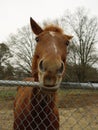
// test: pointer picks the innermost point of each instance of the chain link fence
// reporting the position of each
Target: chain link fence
(77, 104)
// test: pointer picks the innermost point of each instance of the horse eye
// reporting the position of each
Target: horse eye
(63, 60)
(37, 39)
(67, 42)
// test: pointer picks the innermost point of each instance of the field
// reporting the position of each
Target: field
(78, 109)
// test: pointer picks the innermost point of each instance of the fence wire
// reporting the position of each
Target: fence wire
(77, 104)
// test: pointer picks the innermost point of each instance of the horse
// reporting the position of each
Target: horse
(35, 107)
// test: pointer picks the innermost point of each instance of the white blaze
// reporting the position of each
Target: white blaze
(54, 46)
(52, 33)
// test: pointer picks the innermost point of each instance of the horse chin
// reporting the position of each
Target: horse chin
(49, 89)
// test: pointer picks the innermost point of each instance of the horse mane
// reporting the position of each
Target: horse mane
(53, 28)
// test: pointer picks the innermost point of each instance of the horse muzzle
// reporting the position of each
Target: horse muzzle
(49, 83)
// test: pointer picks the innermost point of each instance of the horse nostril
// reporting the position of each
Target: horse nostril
(61, 69)
(41, 67)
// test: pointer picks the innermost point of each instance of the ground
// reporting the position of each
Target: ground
(78, 109)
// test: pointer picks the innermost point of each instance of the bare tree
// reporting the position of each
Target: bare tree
(22, 46)
(5, 56)
(82, 50)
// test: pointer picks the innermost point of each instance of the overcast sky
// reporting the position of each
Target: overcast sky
(16, 13)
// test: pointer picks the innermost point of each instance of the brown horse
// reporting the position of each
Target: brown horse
(35, 108)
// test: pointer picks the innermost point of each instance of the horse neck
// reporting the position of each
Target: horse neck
(43, 99)
(44, 109)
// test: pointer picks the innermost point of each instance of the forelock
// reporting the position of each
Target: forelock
(53, 29)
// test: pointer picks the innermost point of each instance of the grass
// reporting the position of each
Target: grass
(7, 93)
(63, 91)
(10, 92)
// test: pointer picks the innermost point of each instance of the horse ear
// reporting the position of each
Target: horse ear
(69, 37)
(35, 27)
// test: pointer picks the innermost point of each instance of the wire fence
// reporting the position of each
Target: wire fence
(77, 104)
